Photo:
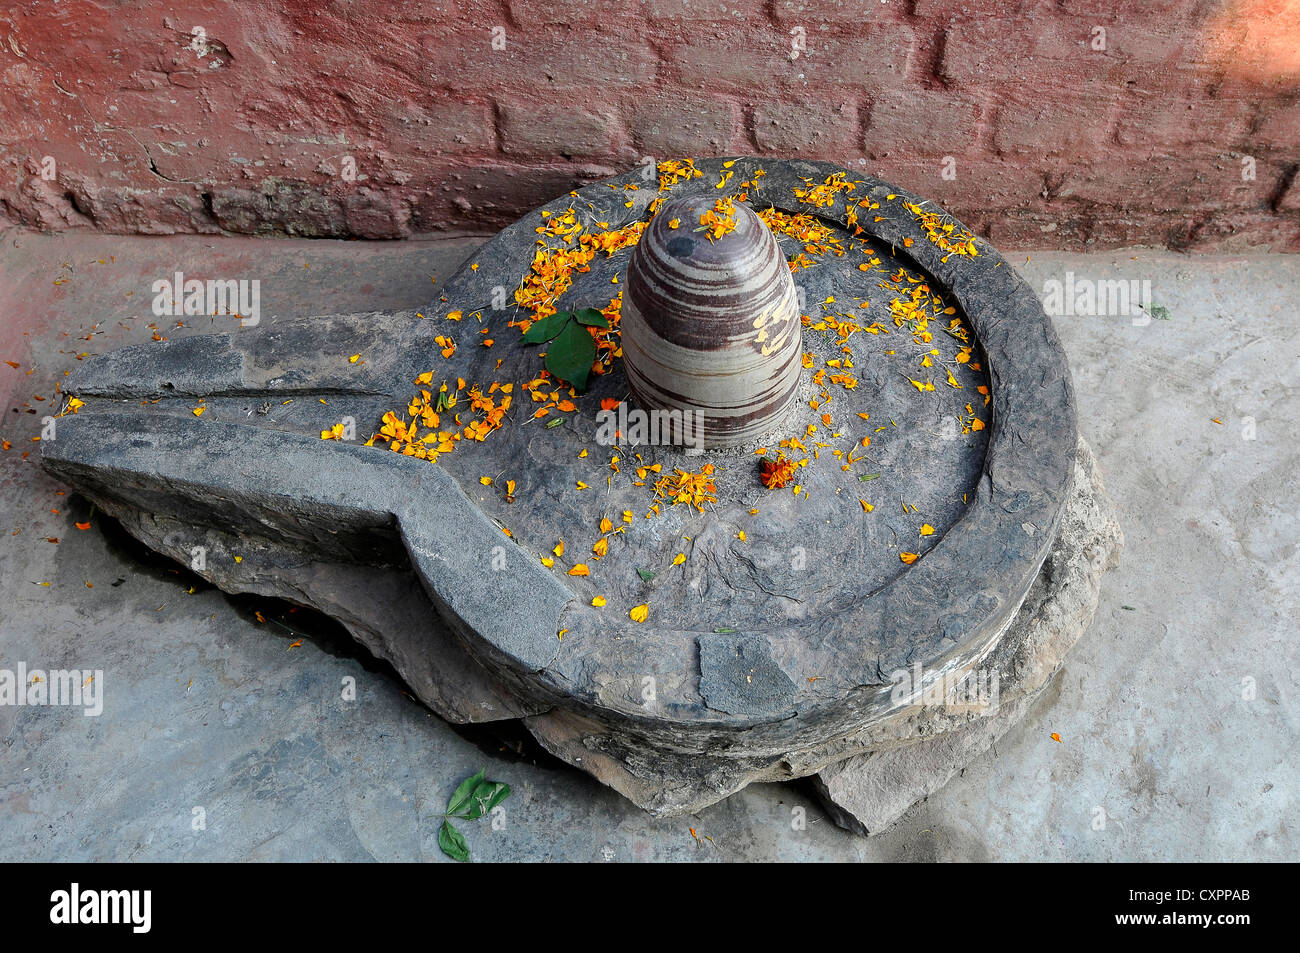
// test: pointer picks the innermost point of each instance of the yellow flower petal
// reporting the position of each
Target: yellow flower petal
(639, 613)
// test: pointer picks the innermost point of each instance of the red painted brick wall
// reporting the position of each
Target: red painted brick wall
(1179, 126)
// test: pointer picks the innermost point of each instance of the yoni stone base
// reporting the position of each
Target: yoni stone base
(869, 792)
(868, 779)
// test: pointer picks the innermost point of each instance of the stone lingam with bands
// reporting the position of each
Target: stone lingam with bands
(710, 326)
(840, 574)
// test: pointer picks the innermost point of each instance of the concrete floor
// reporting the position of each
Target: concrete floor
(1177, 711)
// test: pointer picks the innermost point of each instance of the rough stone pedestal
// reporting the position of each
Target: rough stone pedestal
(869, 792)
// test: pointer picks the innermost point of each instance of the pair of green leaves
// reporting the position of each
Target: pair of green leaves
(572, 349)
(475, 797)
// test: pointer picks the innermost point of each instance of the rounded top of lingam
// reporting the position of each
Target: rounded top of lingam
(704, 270)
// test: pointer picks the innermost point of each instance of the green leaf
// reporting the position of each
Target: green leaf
(499, 794)
(868, 476)
(724, 629)
(592, 318)
(570, 355)
(487, 796)
(460, 800)
(645, 574)
(1129, 608)
(452, 842)
(555, 422)
(547, 328)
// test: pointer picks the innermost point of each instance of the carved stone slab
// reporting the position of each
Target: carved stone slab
(777, 633)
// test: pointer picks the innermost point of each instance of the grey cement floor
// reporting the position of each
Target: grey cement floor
(1177, 712)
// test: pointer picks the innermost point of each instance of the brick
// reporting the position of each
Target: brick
(1027, 229)
(710, 62)
(184, 160)
(1165, 125)
(527, 13)
(808, 128)
(980, 184)
(440, 127)
(742, 11)
(877, 58)
(921, 122)
(295, 208)
(1131, 49)
(762, 60)
(1278, 127)
(426, 11)
(1140, 13)
(376, 214)
(674, 129)
(1255, 43)
(1072, 121)
(494, 195)
(1166, 184)
(1237, 232)
(555, 131)
(539, 60)
(131, 208)
(952, 9)
(979, 52)
(849, 16)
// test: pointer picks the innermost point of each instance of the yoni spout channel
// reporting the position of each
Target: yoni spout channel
(712, 327)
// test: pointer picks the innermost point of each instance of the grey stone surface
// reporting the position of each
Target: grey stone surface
(206, 706)
(869, 792)
(739, 676)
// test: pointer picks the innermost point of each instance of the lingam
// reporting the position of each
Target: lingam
(709, 325)
(659, 617)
